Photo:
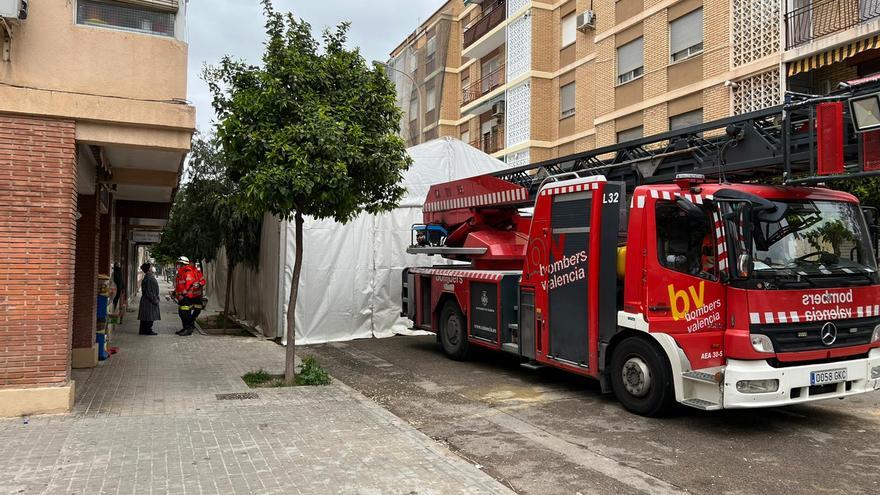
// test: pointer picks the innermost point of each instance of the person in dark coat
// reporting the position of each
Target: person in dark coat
(119, 282)
(148, 311)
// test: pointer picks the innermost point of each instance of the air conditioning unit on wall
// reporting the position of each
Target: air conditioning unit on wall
(586, 20)
(498, 109)
(14, 9)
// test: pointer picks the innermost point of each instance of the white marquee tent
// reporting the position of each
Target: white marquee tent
(351, 278)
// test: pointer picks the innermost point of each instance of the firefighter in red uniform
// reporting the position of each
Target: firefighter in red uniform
(197, 293)
(187, 292)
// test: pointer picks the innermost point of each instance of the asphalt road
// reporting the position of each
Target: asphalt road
(547, 432)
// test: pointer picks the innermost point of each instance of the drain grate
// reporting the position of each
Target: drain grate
(238, 396)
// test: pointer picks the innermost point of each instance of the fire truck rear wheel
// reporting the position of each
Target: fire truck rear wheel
(453, 332)
(641, 378)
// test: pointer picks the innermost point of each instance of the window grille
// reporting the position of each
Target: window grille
(124, 16)
(518, 159)
(757, 92)
(518, 114)
(755, 30)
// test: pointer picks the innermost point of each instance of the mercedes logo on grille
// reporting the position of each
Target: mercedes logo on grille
(828, 333)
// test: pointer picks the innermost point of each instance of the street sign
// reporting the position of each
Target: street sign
(145, 236)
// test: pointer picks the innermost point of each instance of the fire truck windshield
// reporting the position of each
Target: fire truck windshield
(816, 243)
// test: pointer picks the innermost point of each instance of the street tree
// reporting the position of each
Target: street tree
(192, 230)
(205, 216)
(311, 131)
(241, 240)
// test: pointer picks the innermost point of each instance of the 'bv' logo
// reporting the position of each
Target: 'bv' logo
(680, 302)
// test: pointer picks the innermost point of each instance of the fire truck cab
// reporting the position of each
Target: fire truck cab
(712, 294)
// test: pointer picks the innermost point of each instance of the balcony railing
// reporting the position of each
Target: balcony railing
(484, 86)
(823, 17)
(493, 14)
(490, 142)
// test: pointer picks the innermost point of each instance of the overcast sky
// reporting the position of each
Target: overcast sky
(235, 28)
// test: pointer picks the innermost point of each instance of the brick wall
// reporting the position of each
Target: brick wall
(37, 225)
(545, 110)
(716, 103)
(86, 273)
(716, 37)
(656, 120)
(656, 54)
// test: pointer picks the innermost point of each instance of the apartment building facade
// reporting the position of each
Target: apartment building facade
(94, 128)
(828, 42)
(542, 79)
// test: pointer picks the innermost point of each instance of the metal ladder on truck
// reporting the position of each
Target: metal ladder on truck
(807, 140)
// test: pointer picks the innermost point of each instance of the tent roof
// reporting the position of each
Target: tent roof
(442, 160)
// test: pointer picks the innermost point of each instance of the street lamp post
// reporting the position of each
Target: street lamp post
(388, 67)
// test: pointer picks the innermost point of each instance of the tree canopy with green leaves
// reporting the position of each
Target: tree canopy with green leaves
(192, 229)
(206, 216)
(312, 131)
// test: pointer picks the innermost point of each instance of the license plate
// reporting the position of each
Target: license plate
(827, 376)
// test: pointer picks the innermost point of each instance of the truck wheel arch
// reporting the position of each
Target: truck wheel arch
(676, 360)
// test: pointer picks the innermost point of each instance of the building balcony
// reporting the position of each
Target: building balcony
(491, 142)
(484, 86)
(820, 18)
(493, 14)
(486, 33)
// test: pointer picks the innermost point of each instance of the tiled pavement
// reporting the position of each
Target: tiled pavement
(148, 421)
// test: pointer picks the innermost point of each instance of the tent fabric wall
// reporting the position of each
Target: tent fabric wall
(350, 285)
(255, 292)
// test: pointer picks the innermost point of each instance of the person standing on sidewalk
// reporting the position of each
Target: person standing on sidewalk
(197, 294)
(148, 310)
(119, 282)
(187, 293)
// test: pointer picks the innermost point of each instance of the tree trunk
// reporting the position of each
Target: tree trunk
(289, 365)
(230, 269)
(234, 307)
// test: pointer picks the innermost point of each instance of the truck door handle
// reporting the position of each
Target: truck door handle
(659, 308)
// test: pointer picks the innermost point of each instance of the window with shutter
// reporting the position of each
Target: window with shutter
(630, 134)
(687, 119)
(567, 100)
(569, 30)
(630, 60)
(431, 104)
(414, 106)
(686, 36)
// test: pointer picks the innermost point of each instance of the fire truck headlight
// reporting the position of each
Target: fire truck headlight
(762, 343)
(876, 336)
(757, 386)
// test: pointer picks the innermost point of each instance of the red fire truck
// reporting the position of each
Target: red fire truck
(627, 264)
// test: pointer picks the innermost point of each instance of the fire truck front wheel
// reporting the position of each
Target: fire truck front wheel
(453, 332)
(641, 378)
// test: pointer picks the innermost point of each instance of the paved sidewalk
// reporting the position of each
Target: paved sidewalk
(148, 421)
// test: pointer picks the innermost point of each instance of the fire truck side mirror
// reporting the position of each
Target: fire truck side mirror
(744, 265)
